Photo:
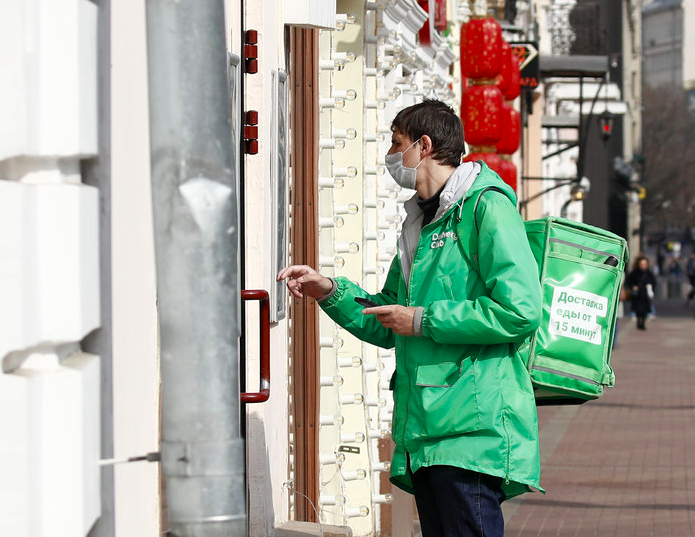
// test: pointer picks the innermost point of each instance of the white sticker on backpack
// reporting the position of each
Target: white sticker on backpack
(573, 314)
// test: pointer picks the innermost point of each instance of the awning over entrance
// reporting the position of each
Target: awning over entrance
(573, 66)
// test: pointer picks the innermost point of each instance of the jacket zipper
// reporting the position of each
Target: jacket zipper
(509, 449)
(407, 303)
(410, 276)
(564, 374)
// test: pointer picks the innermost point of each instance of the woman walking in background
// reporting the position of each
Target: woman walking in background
(642, 284)
(690, 272)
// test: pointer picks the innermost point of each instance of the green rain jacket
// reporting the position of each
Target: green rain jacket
(462, 394)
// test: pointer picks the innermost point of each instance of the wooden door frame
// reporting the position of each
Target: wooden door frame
(304, 333)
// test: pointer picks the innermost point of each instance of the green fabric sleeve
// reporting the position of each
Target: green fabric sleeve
(511, 310)
(342, 308)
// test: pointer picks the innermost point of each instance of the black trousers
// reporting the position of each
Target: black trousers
(453, 502)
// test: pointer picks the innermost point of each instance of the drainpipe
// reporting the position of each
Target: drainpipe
(195, 208)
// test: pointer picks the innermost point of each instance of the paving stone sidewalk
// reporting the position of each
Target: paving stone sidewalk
(623, 465)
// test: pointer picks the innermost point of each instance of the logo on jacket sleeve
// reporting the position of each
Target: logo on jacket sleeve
(439, 238)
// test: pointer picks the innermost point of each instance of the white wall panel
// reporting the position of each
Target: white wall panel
(14, 456)
(62, 405)
(61, 77)
(13, 134)
(135, 353)
(66, 253)
(87, 366)
(50, 276)
(18, 331)
(48, 48)
(268, 429)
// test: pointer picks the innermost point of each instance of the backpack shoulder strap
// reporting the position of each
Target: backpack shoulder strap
(515, 347)
(474, 256)
(475, 209)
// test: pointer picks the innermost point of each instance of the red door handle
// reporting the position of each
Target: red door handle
(264, 304)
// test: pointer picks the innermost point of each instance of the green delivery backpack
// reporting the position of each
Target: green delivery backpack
(581, 269)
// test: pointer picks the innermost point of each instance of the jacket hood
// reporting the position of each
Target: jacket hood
(458, 185)
(465, 182)
(455, 188)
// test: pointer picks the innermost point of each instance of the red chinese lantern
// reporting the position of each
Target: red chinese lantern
(464, 88)
(511, 130)
(504, 78)
(493, 160)
(482, 118)
(440, 15)
(428, 29)
(481, 43)
(508, 173)
(512, 91)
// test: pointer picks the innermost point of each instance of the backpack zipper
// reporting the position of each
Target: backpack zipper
(563, 374)
(582, 247)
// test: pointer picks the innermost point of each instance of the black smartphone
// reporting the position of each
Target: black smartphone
(365, 302)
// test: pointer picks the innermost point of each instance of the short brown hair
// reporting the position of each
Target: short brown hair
(438, 121)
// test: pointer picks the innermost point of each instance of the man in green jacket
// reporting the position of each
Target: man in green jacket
(460, 297)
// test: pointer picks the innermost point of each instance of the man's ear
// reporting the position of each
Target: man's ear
(426, 146)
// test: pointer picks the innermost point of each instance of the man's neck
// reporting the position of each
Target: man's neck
(433, 180)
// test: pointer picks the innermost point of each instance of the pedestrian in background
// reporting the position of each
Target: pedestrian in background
(642, 285)
(459, 298)
(675, 276)
(675, 269)
(690, 272)
(660, 258)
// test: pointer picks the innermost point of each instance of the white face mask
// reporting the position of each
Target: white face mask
(403, 175)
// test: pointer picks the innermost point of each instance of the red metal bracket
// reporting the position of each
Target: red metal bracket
(251, 52)
(264, 306)
(251, 132)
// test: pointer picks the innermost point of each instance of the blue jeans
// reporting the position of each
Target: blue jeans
(453, 502)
